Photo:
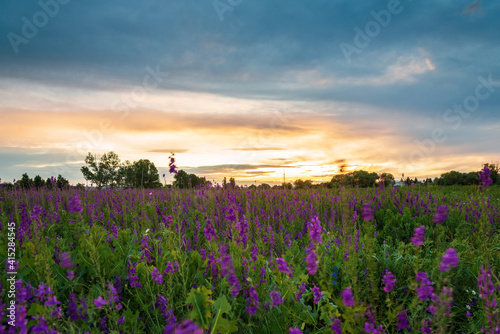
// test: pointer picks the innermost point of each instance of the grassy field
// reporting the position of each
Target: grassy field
(252, 261)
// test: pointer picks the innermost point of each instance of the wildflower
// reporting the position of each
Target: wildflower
(253, 301)
(450, 259)
(336, 325)
(276, 298)
(403, 322)
(157, 276)
(171, 165)
(315, 230)
(389, 281)
(424, 290)
(484, 177)
(74, 204)
(312, 262)
(65, 260)
(282, 265)
(347, 297)
(209, 231)
(188, 327)
(468, 314)
(171, 268)
(52, 301)
(317, 295)
(100, 302)
(419, 236)
(441, 214)
(294, 331)
(367, 212)
(228, 270)
(302, 289)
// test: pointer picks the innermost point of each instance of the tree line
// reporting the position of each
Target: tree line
(108, 170)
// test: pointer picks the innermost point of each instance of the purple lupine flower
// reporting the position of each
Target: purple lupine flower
(294, 331)
(276, 298)
(317, 295)
(171, 165)
(315, 230)
(486, 284)
(312, 262)
(171, 268)
(253, 301)
(65, 260)
(100, 302)
(74, 204)
(389, 281)
(282, 265)
(72, 307)
(209, 231)
(228, 270)
(347, 297)
(157, 276)
(121, 320)
(484, 177)
(424, 290)
(302, 289)
(336, 325)
(403, 322)
(450, 259)
(52, 301)
(255, 253)
(441, 214)
(188, 327)
(70, 275)
(367, 212)
(419, 236)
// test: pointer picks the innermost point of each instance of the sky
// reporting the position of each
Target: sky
(250, 89)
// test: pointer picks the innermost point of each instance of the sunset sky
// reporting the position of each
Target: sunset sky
(249, 89)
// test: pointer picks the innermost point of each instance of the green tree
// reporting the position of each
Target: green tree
(388, 179)
(61, 182)
(102, 170)
(181, 180)
(364, 179)
(300, 184)
(25, 181)
(38, 182)
(146, 174)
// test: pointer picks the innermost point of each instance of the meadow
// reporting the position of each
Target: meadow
(412, 259)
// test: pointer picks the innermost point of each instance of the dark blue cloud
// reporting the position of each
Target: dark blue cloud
(259, 47)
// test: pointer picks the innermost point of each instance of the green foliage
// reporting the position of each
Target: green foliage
(202, 305)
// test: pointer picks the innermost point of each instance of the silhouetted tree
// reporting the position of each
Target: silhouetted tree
(102, 170)
(38, 182)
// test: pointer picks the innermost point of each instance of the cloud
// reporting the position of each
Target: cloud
(169, 150)
(257, 149)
